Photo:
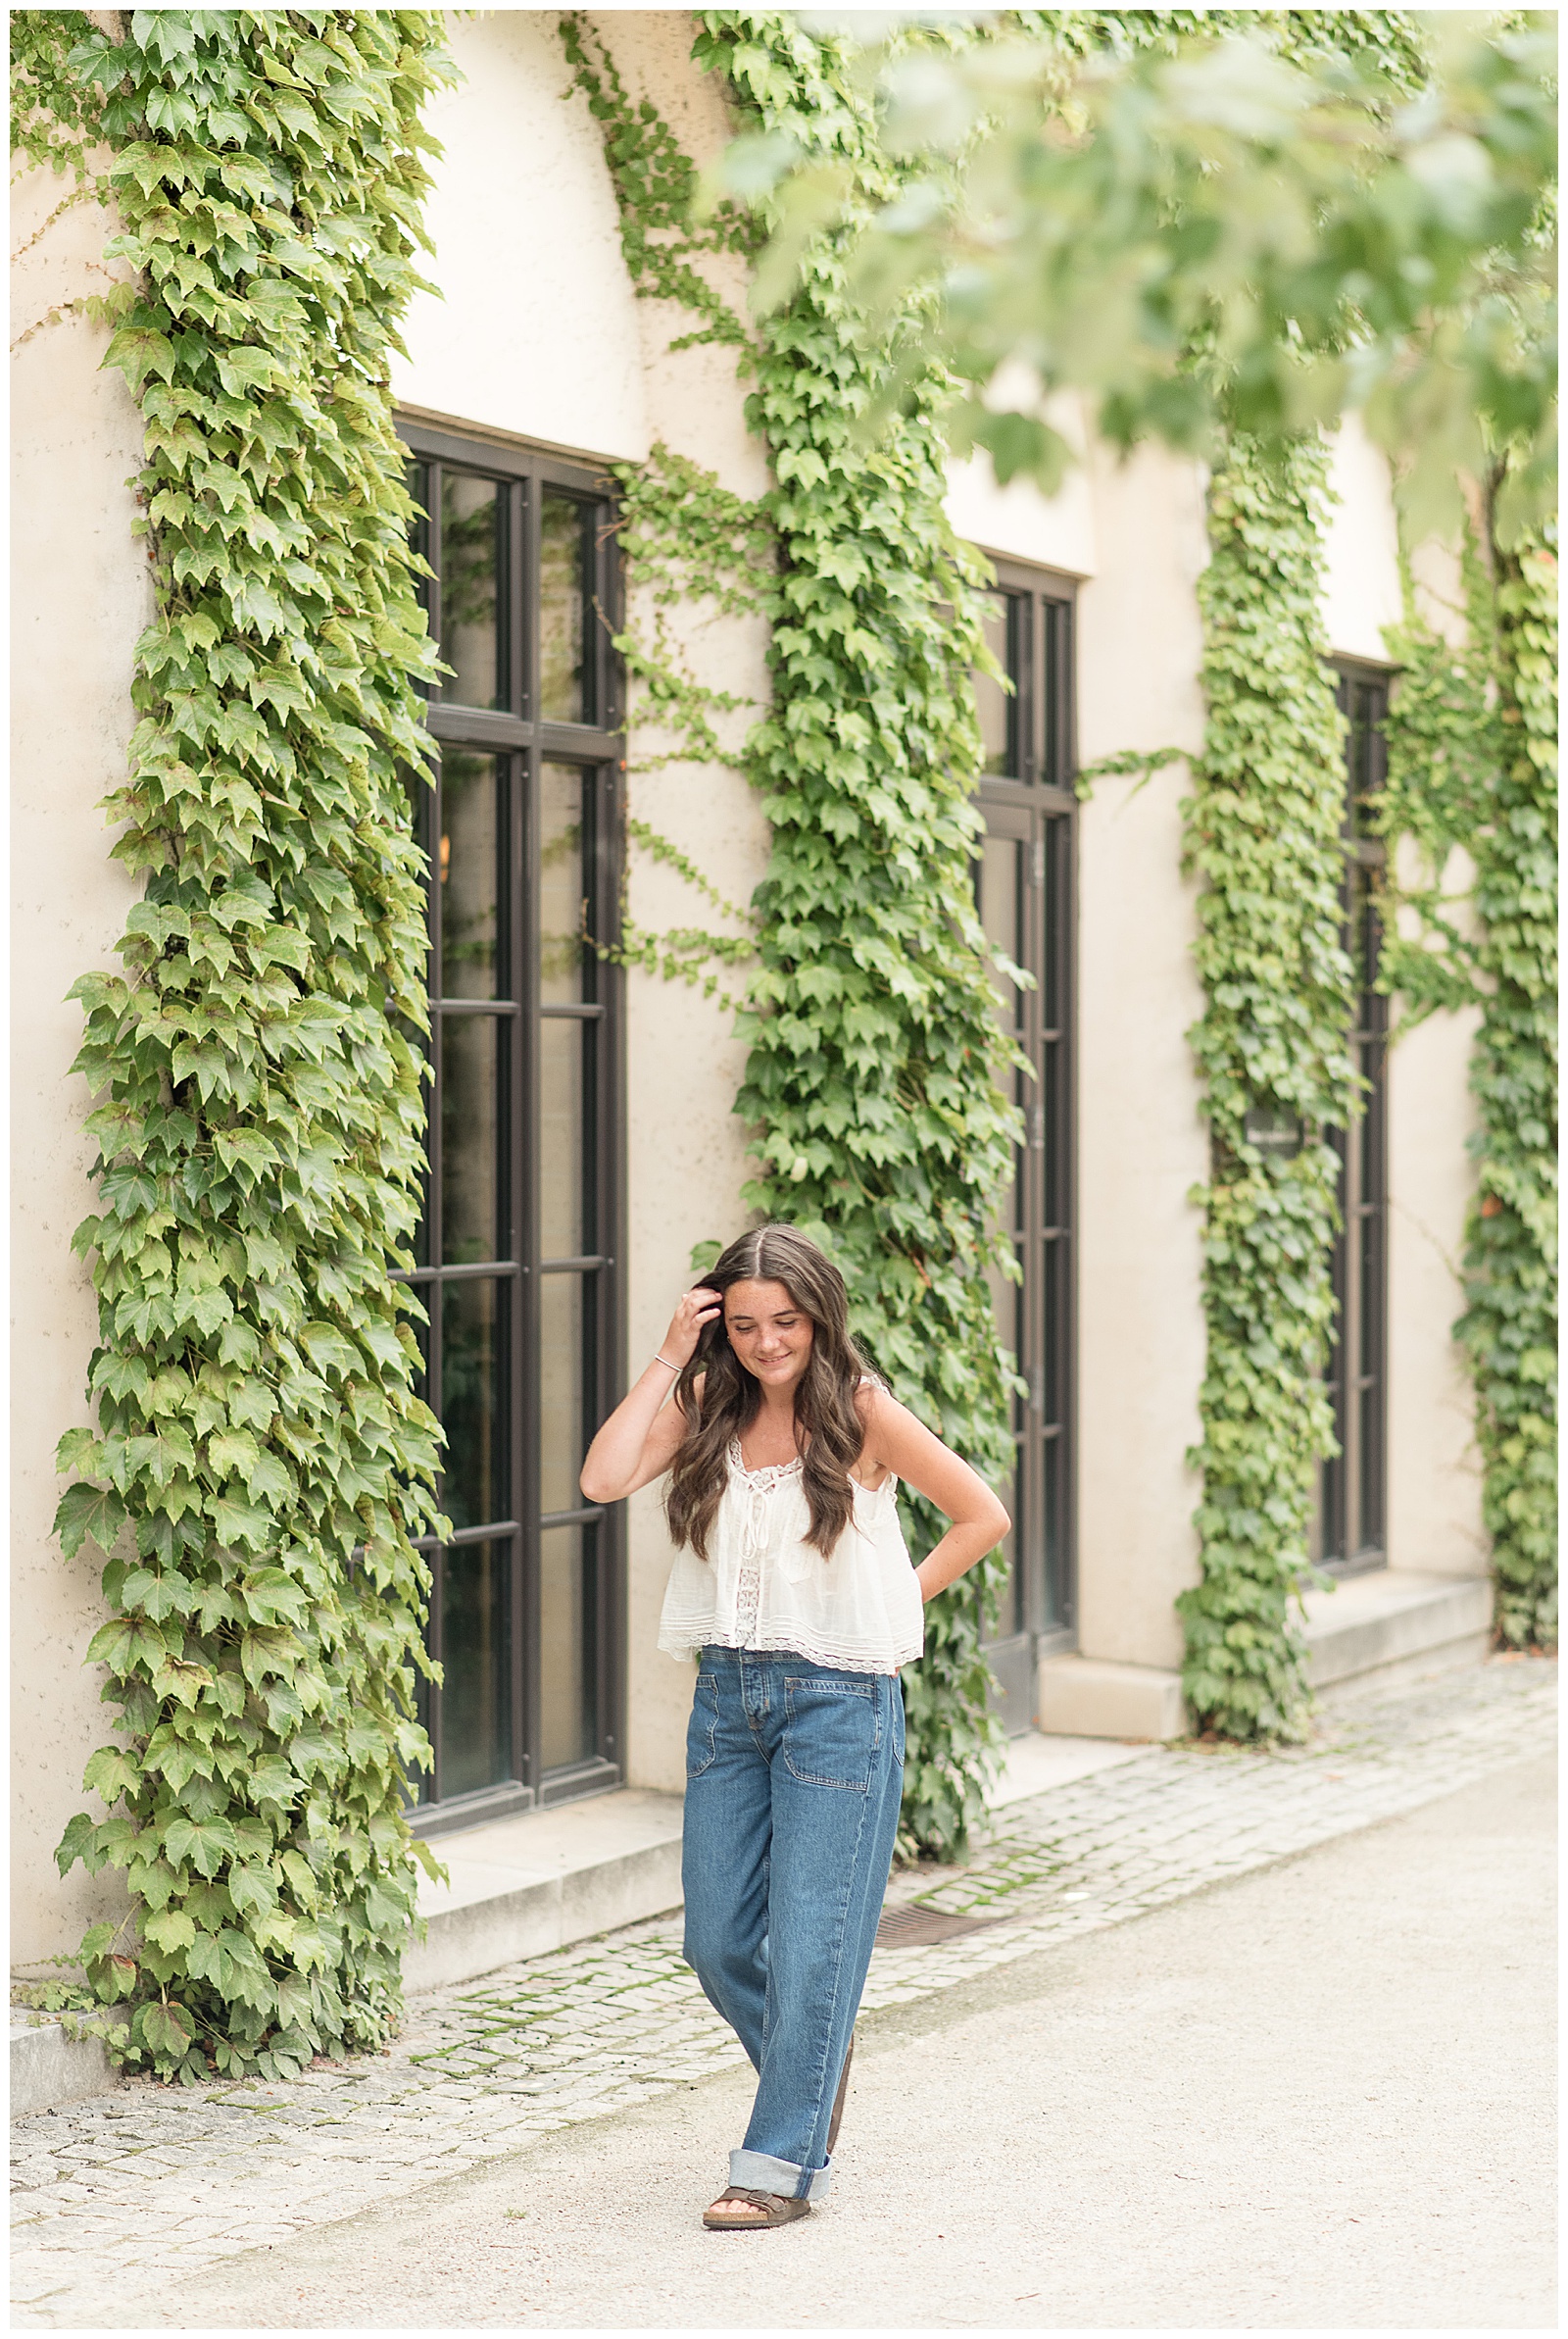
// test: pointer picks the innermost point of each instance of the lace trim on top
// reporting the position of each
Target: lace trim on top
(771, 1473)
(758, 1486)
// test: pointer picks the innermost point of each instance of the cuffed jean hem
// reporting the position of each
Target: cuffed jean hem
(762, 2174)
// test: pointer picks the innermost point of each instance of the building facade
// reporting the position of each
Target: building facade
(582, 1133)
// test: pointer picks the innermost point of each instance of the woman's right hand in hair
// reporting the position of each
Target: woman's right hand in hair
(695, 1310)
(638, 1442)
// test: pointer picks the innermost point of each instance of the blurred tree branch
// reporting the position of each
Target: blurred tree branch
(1208, 234)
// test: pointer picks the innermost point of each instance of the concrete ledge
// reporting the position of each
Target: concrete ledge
(1394, 1618)
(48, 2067)
(1088, 1697)
(517, 1887)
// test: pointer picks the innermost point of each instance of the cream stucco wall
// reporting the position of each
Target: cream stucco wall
(1362, 559)
(1054, 531)
(80, 599)
(1140, 1145)
(533, 327)
(1434, 1481)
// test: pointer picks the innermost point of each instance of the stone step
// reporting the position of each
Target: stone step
(520, 1886)
(1392, 1621)
(49, 2066)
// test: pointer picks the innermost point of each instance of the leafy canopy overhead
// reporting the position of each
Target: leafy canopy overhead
(1262, 230)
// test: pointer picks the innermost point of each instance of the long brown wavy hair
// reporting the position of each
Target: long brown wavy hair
(827, 1427)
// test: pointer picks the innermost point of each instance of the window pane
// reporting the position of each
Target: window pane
(561, 1379)
(567, 1624)
(475, 1650)
(473, 1409)
(1057, 899)
(472, 823)
(470, 1229)
(1055, 1514)
(417, 478)
(473, 568)
(1057, 691)
(561, 888)
(998, 707)
(1002, 915)
(564, 602)
(561, 1046)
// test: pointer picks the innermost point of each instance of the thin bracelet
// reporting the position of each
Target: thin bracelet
(669, 1367)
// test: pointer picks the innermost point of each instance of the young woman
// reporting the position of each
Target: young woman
(794, 1589)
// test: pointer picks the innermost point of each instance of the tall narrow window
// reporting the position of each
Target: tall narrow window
(517, 1263)
(1350, 1528)
(1026, 883)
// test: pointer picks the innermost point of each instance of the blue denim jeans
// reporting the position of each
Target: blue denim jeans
(794, 1775)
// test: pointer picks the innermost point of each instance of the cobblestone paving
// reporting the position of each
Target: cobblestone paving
(113, 2195)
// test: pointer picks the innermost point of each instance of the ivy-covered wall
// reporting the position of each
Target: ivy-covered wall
(80, 597)
(265, 1180)
(1263, 824)
(1471, 811)
(258, 1465)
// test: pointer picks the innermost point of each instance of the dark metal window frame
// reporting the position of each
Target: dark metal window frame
(1036, 807)
(598, 750)
(1352, 1523)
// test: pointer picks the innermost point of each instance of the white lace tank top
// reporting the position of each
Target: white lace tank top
(765, 1587)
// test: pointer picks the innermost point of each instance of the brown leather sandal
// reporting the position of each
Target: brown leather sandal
(838, 2100)
(778, 2209)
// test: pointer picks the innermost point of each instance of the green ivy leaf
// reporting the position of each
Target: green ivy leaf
(88, 1512)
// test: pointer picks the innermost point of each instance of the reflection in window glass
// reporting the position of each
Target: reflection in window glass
(417, 479)
(567, 1632)
(562, 1443)
(561, 1045)
(996, 704)
(476, 1637)
(470, 1214)
(562, 609)
(1364, 706)
(469, 861)
(473, 570)
(473, 1487)
(561, 886)
(1002, 915)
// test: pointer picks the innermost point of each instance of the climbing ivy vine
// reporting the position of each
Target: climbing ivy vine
(1509, 1327)
(1263, 828)
(1472, 768)
(259, 1466)
(874, 1081)
(688, 542)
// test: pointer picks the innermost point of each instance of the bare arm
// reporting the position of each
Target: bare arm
(895, 1441)
(638, 1442)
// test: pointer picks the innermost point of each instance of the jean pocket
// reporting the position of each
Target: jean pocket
(702, 1732)
(832, 1731)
